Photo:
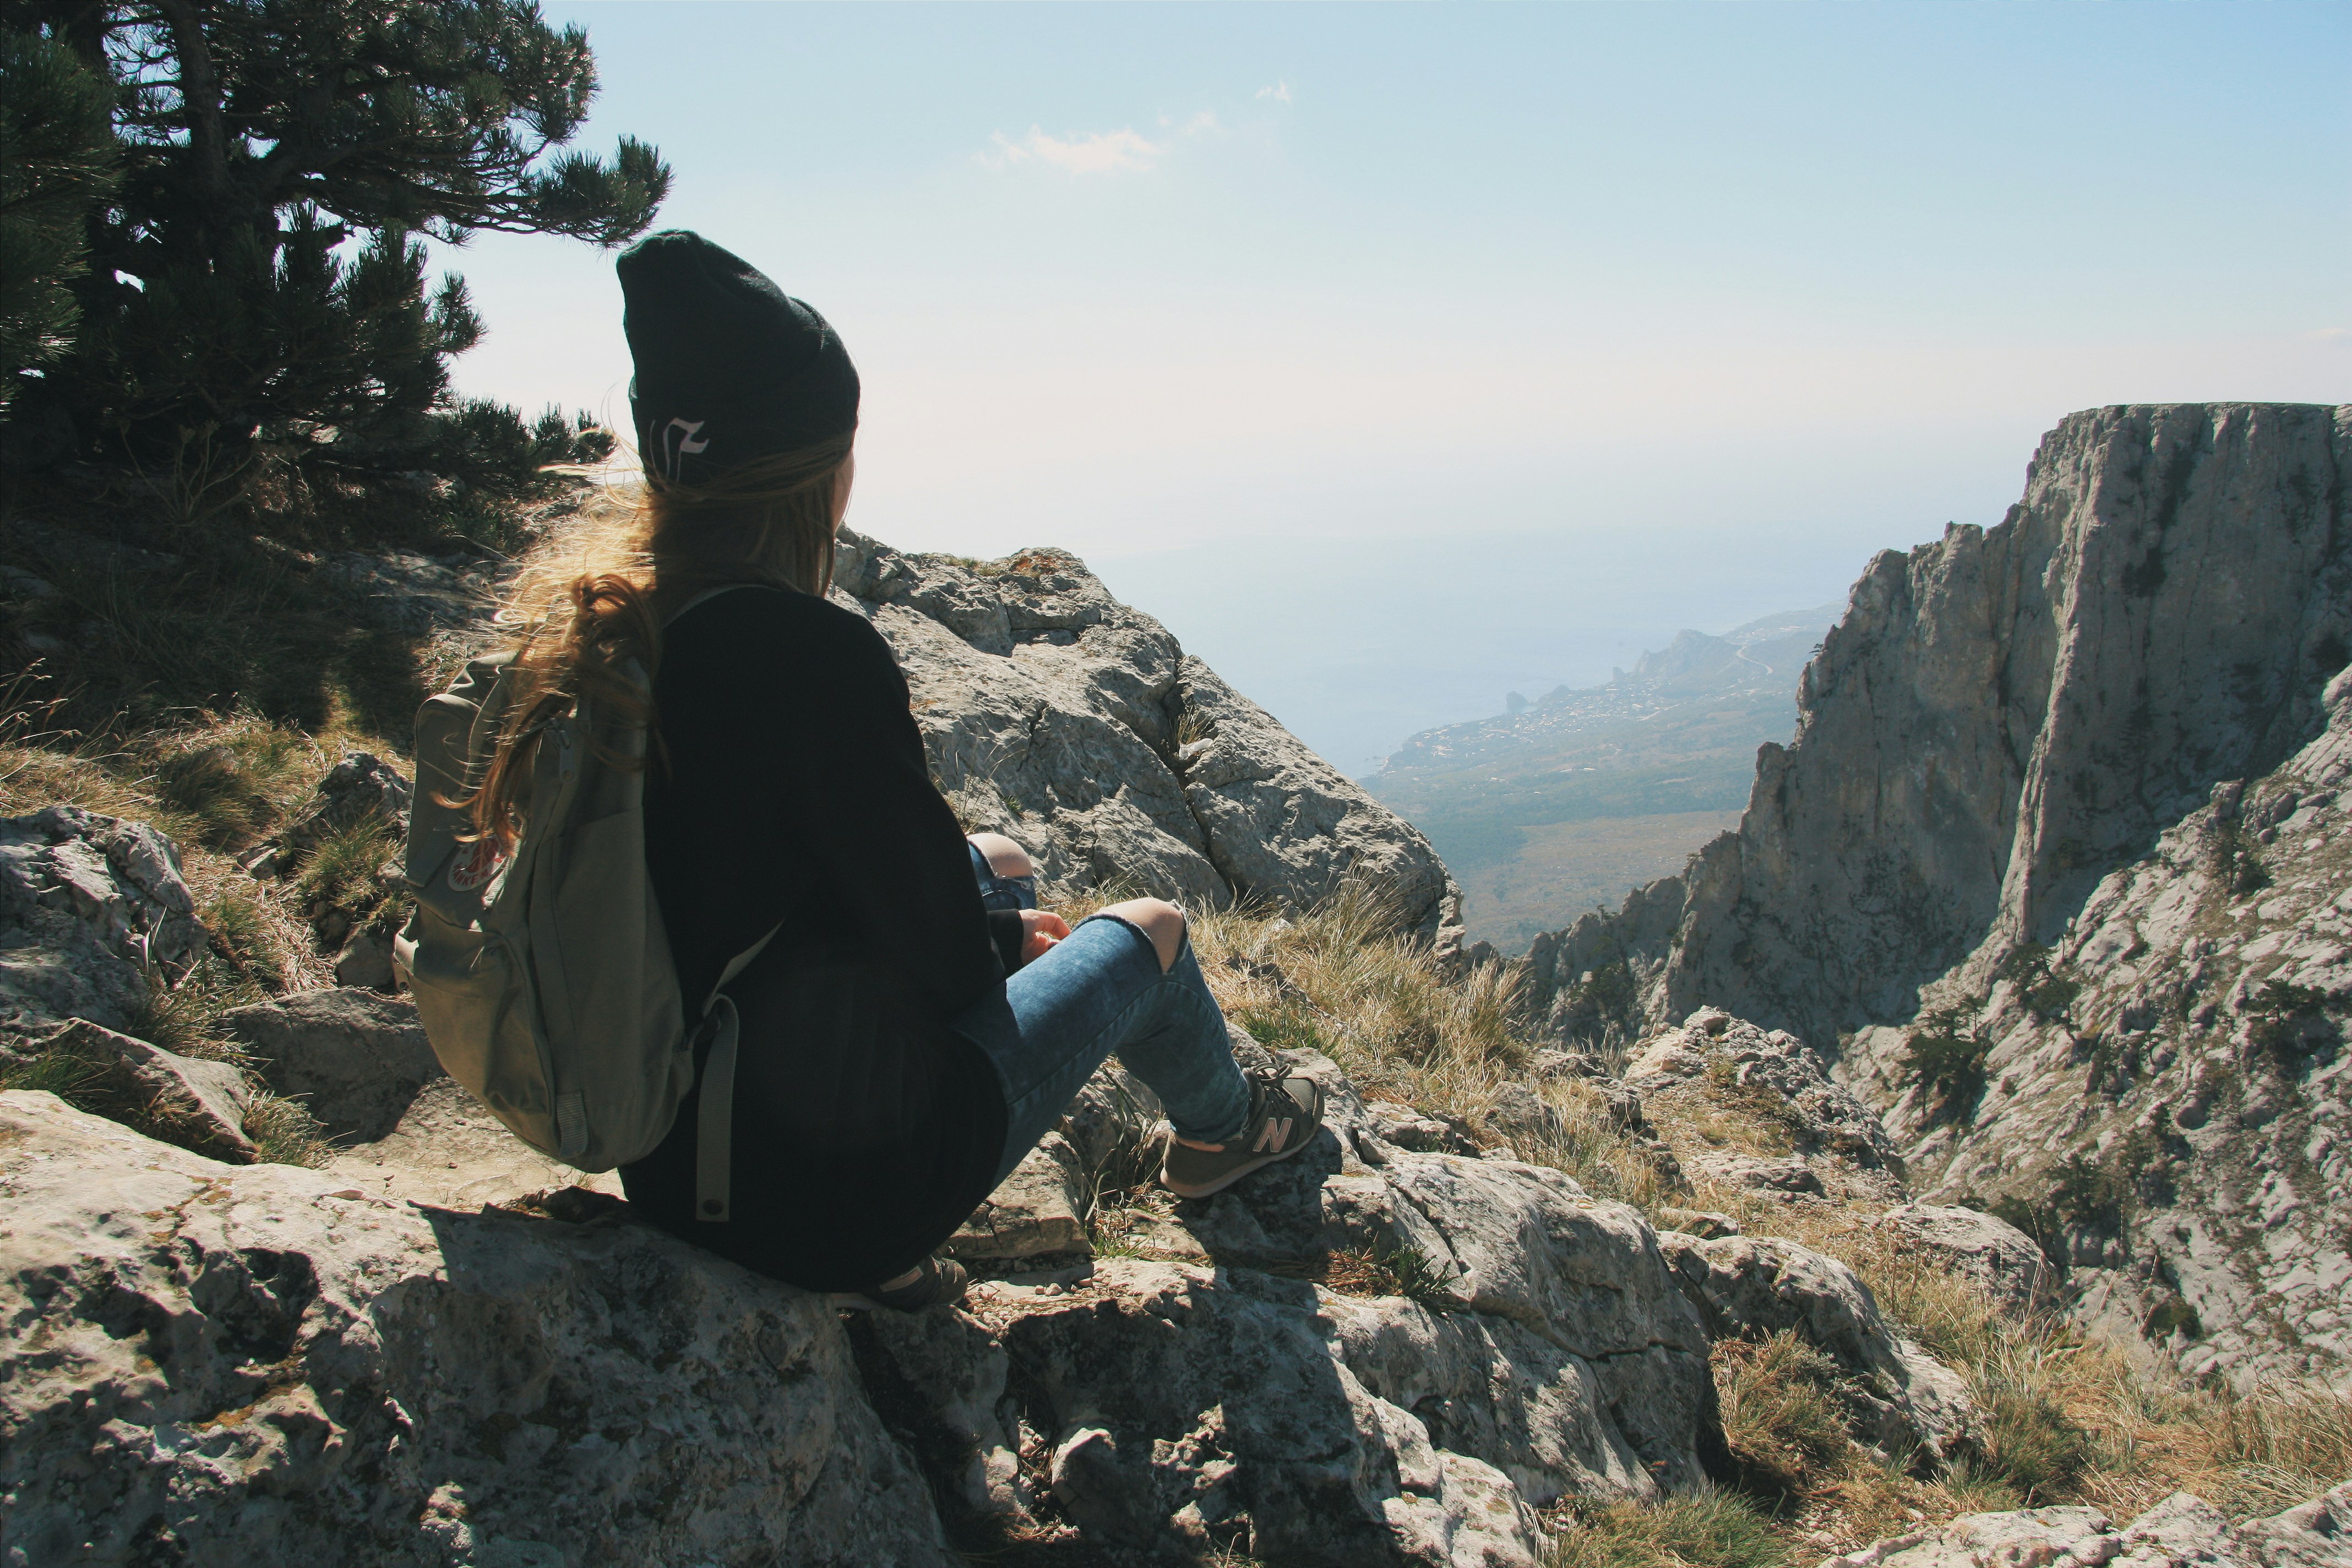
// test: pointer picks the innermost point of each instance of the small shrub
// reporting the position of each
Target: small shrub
(1607, 991)
(2172, 1316)
(1404, 1271)
(2089, 1196)
(2235, 862)
(2289, 1021)
(2025, 963)
(2049, 1000)
(1945, 1060)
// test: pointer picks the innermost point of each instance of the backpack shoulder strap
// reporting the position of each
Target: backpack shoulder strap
(714, 1105)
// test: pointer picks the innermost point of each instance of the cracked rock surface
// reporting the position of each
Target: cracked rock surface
(2181, 1531)
(1214, 1390)
(255, 1366)
(86, 904)
(1080, 728)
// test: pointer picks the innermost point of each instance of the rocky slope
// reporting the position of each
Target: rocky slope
(1396, 1349)
(1080, 728)
(2007, 878)
(428, 1353)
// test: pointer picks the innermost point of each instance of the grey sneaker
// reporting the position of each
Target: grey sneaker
(1284, 1115)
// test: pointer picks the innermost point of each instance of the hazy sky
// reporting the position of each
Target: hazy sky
(1397, 356)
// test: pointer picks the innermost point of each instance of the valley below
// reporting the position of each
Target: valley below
(1572, 800)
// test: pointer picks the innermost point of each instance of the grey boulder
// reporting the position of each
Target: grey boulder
(2000, 1259)
(1211, 1394)
(356, 1059)
(256, 1367)
(1080, 728)
(91, 908)
(204, 1102)
(1900, 1399)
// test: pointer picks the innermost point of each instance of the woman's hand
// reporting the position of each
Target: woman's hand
(1039, 930)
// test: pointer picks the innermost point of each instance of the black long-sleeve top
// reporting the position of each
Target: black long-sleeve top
(790, 785)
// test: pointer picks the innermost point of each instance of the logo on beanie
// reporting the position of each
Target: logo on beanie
(680, 441)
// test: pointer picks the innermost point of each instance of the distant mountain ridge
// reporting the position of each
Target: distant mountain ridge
(1762, 658)
(1663, 750)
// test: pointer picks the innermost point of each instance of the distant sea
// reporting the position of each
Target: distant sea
(1355, 644)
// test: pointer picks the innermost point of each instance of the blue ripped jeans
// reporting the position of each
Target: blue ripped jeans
(1097, 990)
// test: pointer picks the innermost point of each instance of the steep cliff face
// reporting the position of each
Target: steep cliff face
(2049, 871)
(2006, 715)
(2165, 1095)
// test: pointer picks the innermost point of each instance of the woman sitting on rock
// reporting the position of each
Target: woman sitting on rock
(916, 1023)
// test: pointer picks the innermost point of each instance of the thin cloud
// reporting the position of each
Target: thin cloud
(1279, 92)
(2333, 334)
(1098, 151)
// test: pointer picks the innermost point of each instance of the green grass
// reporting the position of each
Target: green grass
(340, 871)
(1404, 1271)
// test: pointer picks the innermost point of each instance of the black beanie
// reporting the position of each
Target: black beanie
(728, 366)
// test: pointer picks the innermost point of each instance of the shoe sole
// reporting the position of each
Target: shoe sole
(1227, 1180)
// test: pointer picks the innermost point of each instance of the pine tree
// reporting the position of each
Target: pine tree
(57, 159)
(234, 337)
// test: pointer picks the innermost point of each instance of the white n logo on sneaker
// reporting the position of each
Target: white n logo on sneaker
(1273, 1136)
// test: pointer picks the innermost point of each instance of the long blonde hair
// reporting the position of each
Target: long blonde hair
(590, 601)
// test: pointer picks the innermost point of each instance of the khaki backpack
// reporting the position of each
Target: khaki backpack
(543, 977)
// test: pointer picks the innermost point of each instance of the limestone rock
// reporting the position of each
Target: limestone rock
(1078, 727)
(1214, 1394)
(356, 1059)
(366, 960)
(89, 906)
(1787, 1176)
(204, 1101)
(2155, 616)
(1808, 1137)
(237, 1367)
(448, 1151)
(1750, 1286)
(2001, 1260)
(1038, 1209)
(1204, 1409)
(411, 593)
(2064, 797)
(2179, 1531)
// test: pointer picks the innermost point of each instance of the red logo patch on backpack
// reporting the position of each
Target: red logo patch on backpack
(475, 864)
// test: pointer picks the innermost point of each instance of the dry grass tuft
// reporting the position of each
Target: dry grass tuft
(1783, 1418)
